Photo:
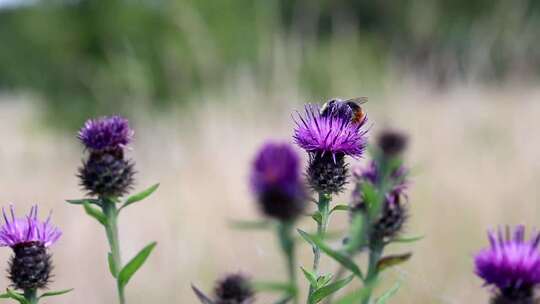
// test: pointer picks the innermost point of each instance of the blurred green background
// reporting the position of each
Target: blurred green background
(94, 57)
(205, 82)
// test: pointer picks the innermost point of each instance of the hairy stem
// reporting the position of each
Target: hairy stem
(373, 273)
(286, 242)
(322, 225)
(111, 227)
(31, 296)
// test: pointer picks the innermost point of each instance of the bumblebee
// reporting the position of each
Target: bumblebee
(353, 106)
(358, 113)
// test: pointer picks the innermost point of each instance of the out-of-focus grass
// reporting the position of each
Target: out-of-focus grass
(475, 153)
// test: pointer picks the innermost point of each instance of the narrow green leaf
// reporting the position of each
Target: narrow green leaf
(274, 287)
(202, 297)
(357, 236)
(336, 255)
(95, 213)
(357, 296)
(317, 217)
(408, 239)
(388, 294)
(112, 265)
(140, 196)
(392, 260)
(306, 236)
(251, 225)
(129, 270)
(324, 280)
(55, 293)
(16, 296)
(4, 296)
(327, 290)
(310, 276)
(340, 208)
(84, 201)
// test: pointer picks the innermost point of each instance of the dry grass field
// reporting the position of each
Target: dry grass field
(475, 152)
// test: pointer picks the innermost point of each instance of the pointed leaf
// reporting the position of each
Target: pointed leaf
(392, 260)
(16, 296)
(324, 280)
(202, 297)
(55, 293)
(327, 290)
(129, 270)
(112, 265)
(317, 217)
(95, 213)
(84, 201)
(340, 208)
(341, 258)
(388, 294)
(310, 276)
(140, 196)
(357, 296)
(407, 239)
(250, 225)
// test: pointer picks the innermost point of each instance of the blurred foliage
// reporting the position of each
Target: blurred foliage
(91, 57)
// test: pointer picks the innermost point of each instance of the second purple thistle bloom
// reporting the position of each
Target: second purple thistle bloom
(276, 181)
(329, 134)
(106, 133)
(512, 264)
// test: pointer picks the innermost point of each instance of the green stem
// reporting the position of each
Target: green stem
(373, 273)
(322, 225)
(111, 227)
(286, 242)
(31, 296)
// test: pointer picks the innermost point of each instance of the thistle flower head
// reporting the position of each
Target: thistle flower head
(372, 174)
(330, 131)
(29, 229)
(275, 180)
(394, 213)
(106, 133)
(392, 142)
(234, 289)
(511, 263)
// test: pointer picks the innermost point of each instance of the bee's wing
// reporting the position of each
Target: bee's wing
(358, 100)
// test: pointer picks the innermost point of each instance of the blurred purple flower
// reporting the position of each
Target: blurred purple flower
(373, 175)
(331, 131)
(511, 263)
(30, 229)
(276, 181)
(106, 133)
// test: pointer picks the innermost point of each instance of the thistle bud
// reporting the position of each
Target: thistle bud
(234, 289)
(106, 172)
(30, 266)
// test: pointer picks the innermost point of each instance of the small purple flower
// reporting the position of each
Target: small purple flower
(106, 133)
(276, 181)
(373, 175)
(394, 213)
(330, 131)
(30, 229)
(511, 263)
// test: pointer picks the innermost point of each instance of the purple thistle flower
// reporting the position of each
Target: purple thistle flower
(511, 263)
(106, 133)
(30, 229)
(332, 131)
(275, 180)
(394, 213)
(31, 265)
